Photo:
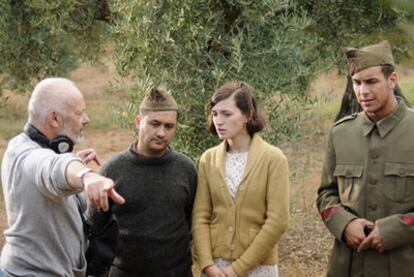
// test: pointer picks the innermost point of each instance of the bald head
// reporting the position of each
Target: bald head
(51, 94)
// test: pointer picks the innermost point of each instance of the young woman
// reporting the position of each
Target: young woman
(241, 208)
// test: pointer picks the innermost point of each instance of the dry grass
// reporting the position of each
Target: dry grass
(305, 248)
(102, 134)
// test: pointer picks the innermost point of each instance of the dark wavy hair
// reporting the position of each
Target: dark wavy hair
(243, 96)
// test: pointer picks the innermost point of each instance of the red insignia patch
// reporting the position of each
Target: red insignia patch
(408, 219)
(326, 214)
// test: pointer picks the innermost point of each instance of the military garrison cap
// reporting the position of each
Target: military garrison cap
(158, 99)
(372, 55)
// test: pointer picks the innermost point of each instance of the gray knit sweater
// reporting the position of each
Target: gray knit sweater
(155, 220)
(45, 236)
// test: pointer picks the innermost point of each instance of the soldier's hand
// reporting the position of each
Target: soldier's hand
(374, 240)
(214, 271)
(97, 190)
(230, 272)
(354, 232)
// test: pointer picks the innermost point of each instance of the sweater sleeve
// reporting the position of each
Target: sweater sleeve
(49, 172)
(277, 218)
(201, 219)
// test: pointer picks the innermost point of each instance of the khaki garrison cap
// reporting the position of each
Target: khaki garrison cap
(372, 55)
(158, 99)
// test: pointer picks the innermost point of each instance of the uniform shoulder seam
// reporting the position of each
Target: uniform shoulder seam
(346, 118)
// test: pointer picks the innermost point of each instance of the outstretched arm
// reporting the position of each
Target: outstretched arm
(97, 187)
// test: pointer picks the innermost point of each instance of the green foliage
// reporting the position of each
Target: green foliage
(276, 46)
(403, 6)
(407, 86)
(340, 23)
(193, 47)
(41, 38)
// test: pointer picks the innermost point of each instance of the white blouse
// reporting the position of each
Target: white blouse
(235, 164)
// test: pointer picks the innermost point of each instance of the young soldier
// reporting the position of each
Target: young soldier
(366, 198)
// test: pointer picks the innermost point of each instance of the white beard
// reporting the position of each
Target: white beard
(76, 138)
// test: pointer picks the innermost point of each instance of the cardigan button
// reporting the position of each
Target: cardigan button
(232, 246)
(241, 187)
(231, 229)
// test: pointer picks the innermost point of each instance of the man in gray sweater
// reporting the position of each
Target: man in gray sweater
(159, 186)
(41, 177)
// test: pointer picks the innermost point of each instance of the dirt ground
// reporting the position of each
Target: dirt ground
(304, 249)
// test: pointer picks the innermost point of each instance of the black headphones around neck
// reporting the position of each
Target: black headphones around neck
(60, 144)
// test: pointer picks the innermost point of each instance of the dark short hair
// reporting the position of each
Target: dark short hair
(387, 70)
(245, 101)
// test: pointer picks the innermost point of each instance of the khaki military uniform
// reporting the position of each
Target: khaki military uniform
(369, 173)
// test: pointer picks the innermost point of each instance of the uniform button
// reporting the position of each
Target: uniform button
(241, 188)
(372, 207)
(373, 181)
(231, 229)
(401, 172)
(232, 247)
(374, 155)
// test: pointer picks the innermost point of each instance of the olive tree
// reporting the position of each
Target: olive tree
(192, 47)
(40, 38)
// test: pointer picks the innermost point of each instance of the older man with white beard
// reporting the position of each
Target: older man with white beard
(41, 179)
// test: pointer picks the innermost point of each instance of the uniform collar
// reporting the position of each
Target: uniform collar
(384, 126)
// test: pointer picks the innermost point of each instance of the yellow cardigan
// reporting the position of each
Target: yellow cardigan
(248, 228)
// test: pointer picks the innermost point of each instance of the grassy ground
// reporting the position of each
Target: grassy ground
(305, 248)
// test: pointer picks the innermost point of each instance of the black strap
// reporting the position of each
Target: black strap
(102, 237)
